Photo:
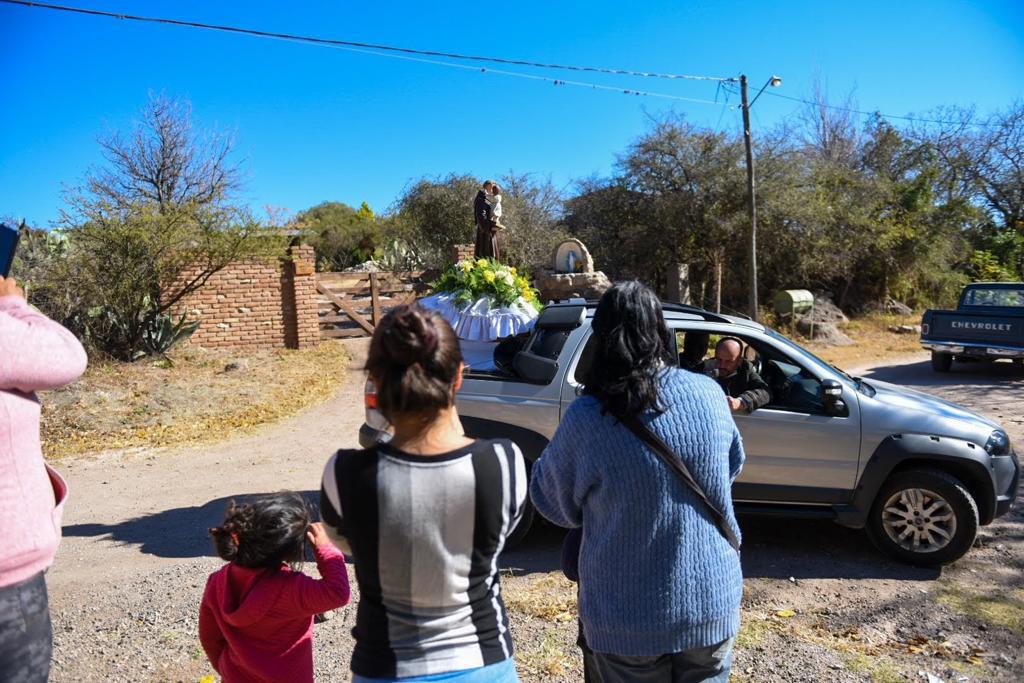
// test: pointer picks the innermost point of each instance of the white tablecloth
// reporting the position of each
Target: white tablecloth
(478, 320)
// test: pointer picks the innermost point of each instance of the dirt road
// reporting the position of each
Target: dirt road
(820, 604)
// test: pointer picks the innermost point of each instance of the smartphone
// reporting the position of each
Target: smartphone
(8, 245)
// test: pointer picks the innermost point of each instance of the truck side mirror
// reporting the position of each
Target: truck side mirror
(832, 398)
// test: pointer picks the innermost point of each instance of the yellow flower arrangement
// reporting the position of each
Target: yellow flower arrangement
(471, 280)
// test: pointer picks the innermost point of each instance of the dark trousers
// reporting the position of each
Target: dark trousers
(26, 636)
(701, 664)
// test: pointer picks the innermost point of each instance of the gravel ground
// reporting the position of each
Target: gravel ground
(820, 603)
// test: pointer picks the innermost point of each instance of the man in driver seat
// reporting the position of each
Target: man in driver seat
(744, 388)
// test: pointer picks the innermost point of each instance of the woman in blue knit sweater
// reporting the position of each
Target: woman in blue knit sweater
(660, 586)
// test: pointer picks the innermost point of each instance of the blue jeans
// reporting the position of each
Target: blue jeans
(26, 637)
(502, 672)
(701, 664)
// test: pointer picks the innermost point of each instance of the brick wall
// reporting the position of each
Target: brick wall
(258, 304)
(462, 251)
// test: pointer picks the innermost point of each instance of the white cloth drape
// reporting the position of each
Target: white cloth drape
(480, 320)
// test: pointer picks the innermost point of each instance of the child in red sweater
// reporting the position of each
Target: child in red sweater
(256, 620)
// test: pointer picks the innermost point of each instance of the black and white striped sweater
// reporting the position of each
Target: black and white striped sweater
(426, 532)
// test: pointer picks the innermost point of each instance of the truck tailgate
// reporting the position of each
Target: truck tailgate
(972, 326)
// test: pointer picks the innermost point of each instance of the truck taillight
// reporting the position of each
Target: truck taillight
(924, 328)
(370, 395)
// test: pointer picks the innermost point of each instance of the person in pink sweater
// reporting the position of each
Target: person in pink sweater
(35, 354)
(256, 619)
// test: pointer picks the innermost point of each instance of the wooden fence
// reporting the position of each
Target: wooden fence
(351, 304)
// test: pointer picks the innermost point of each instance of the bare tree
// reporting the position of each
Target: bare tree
(162, 161)
(998, 166)
(831, 129)
(153, 225)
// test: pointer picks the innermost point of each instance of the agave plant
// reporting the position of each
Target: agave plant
(161, 333)
(130, 338)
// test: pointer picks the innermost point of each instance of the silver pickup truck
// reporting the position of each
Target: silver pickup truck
(988, 324)
(919, 473)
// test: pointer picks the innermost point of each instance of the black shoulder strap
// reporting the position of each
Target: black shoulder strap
(662, 450)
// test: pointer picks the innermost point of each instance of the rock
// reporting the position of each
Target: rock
(239, 364)
(905, 329)
(366, 267)
(568, 285)
(826, 311)
(897, 307)
(822, 331)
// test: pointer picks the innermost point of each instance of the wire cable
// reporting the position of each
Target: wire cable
(535, 77)
(356, 44)
(914, 119)
(404, 52)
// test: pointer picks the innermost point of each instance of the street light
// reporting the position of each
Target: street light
(775, 82)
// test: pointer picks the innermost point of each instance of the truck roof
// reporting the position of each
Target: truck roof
(995, 285)
(673, 311)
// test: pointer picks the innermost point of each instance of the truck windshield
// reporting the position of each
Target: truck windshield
(983, 296)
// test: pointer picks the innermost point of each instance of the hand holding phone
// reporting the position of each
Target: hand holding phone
(8, 245)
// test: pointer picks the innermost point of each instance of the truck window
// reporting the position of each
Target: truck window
(549, 343)
(984, 296)
(587, 357)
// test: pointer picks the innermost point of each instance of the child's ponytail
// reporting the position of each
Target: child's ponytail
(263, 532)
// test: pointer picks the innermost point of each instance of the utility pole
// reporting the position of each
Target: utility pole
(751, 206)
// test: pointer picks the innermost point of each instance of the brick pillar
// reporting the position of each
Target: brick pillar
(307, 315)
(299, 298)
(462, 251)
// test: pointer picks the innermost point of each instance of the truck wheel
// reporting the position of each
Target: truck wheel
(941, 362)
(923, 517)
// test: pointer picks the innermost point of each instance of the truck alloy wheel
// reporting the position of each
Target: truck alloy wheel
(924, 517)
(919, 520)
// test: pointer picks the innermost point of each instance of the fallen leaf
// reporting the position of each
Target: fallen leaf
(785, 613)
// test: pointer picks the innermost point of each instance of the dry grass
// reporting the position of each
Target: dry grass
(997, 608)
(551, 597)
(875, 656)
(204, 396)
(873, 341)
(548, 658)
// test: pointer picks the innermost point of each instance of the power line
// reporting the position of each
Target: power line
(871, 113)
(356, 44)
(403, 53)
(728, 87)
(533, 77)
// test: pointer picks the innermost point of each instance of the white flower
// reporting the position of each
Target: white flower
(507, 278)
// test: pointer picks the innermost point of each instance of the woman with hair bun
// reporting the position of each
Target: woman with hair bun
(425, 517)
(671, 610)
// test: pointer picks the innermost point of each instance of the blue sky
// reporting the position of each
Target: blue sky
(314, 124)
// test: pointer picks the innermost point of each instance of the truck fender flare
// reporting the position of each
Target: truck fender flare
(964, 459)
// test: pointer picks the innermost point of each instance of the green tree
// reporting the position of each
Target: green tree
(532, 213)
(432, 215)
(435, 214)
(342, 236)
